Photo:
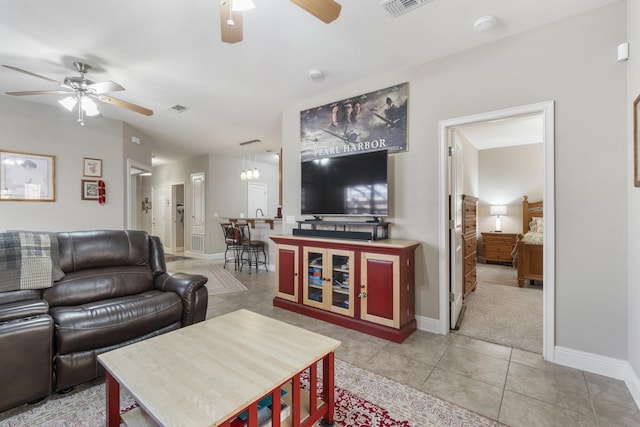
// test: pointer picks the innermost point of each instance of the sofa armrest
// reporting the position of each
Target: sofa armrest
(190, 287)
(22, 309)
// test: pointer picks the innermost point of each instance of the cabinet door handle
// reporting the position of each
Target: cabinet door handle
(362, 294)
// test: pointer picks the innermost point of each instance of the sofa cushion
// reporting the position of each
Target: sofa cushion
(80, 250)
(95, 284)
(112, 321)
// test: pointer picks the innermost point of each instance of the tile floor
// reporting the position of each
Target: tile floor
(515, 387)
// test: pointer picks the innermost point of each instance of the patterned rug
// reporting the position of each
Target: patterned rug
(363, 399)
(220, 281)
(172, 258)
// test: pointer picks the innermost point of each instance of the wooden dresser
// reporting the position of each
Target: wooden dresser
(497, 247)
(469, 242)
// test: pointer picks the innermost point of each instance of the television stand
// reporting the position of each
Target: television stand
(379, 230)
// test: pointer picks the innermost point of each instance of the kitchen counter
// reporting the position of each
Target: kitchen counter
(252, 221)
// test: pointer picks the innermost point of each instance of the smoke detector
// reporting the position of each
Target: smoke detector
(396, 8)
(485, 23)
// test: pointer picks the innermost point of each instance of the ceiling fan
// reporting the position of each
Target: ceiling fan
(231, 15)
(82, 93)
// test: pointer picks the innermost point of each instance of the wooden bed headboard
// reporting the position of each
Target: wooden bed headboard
(530, 210)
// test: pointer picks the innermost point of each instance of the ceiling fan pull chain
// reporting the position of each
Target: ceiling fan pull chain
(80, 110)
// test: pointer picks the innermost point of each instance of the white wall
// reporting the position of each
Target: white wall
(505, 175)
(567, 62)
(633, 195)
(31, 127)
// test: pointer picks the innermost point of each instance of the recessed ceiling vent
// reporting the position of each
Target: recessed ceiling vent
(178, 108)
(396, 8)
(253, 141)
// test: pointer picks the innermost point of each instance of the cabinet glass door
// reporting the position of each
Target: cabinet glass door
(314, 277)
(342, 282)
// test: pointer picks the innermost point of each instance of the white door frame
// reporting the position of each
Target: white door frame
(545, 108)
(134, 169)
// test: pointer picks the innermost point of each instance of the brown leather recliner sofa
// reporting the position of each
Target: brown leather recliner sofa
(115, 291)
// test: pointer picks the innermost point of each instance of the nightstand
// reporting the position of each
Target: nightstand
(497, 246)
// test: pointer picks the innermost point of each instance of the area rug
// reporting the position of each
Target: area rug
(220, 280)
(363, 399)
(172, 258)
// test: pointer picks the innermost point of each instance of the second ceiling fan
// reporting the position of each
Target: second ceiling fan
(231, 17)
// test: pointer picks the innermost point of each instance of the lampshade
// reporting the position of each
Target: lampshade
(498, 210)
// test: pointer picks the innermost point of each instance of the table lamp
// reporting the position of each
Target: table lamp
(498, 210)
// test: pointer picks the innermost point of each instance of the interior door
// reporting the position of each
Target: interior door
(257, 199)
(455, 230)
(198, 203)
(161, 201)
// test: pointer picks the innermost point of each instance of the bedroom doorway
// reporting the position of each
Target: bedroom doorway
(545, 112)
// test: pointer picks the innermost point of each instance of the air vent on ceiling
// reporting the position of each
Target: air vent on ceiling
(253, 141)
(178, 108)
(396, 8)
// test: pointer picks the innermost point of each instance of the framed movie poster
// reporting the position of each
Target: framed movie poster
(27, 177)
(369, 122)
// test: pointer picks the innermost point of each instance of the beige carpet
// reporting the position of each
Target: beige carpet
(220, 281)
(86, 407)
(501, 312)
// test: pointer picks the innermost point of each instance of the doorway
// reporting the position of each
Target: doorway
(546, 109)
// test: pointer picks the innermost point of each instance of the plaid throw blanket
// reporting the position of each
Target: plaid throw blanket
(28, 260)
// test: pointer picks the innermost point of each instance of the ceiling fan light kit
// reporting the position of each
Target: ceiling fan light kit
(82, 93)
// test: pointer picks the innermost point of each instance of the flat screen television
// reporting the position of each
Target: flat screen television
(352, 185)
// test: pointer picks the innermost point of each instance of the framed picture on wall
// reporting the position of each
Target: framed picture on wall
(636, 141)
(27, 177)
(89, 189)
(92, 168)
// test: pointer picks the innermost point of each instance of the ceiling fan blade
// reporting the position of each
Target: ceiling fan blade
(124, 104)
(38, 92)
(325, 10)
(20, 70)
(230, 33)
(104, 87)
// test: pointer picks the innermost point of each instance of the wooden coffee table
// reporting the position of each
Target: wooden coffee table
(208, 373)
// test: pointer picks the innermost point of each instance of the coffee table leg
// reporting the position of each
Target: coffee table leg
(113, 401)
(328, 391)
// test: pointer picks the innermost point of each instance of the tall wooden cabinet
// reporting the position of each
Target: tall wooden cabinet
(469, 242)
(366, 286)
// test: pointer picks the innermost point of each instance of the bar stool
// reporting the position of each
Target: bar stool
(251, 248)
(234, 244)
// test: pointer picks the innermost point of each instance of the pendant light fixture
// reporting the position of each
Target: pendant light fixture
(249, 173)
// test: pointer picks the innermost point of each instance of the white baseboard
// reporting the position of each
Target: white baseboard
(633, 383)
(589, 362)
(429, 324)
(601, 365)
(594, 363)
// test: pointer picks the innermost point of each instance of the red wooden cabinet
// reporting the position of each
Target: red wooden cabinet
(366, 286)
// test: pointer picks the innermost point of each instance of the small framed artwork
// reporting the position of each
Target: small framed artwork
(91, 168)
(27, 177)
(636, 141)
(89, 189)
